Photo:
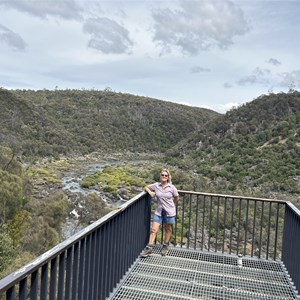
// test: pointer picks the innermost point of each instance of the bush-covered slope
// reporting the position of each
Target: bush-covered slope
(45, 123)
(254, 146)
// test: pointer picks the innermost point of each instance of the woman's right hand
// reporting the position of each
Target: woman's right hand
(152, 194)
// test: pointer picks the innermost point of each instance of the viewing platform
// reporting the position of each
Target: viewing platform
(223, 247)
(189, 274)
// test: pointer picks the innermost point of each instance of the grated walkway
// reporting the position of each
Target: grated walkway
(190, 274)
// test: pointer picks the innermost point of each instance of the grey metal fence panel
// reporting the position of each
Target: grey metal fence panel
(291, 242)
(89, 264)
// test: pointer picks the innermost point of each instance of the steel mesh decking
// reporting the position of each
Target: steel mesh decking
(189, 274)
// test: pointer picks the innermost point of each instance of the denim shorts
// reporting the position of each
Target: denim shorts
(163, 218)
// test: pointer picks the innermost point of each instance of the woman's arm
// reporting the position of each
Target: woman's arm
(150, 192)
(175, 200)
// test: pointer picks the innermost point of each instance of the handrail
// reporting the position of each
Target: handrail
(89, 264)
(232, 196)
(82, 238)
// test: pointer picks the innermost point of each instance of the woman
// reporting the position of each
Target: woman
(167, 198)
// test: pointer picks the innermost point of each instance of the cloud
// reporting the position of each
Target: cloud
(107, 36)
(197, 69)
(274, 61)
(264, 77)
(290, 79)
(67, 9)
(227, 85)
(12, 39)
(199, 25)
(258, 76)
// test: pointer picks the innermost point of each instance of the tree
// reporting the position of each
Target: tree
(40, 236)
(7, 252)
(92, 209)
(11, 193)
(17, 228)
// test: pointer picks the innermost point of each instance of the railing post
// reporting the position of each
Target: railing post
(291, 242)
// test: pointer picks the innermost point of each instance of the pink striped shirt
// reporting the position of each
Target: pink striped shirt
(165, 197)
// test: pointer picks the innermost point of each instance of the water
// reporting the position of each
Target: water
(71, 186)
(71, 179)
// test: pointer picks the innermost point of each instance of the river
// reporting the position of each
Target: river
(71, 186)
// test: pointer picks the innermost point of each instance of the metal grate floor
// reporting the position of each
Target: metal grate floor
(190, 274)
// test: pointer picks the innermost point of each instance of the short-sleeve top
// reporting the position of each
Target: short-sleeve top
(165, 197)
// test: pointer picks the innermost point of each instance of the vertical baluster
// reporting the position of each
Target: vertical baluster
(210, 221)
(81, 277)
(114, 254)
(217, 224)
(176, 227)
(34, 285)
(246, 225)
(69, 273)
(97, 264)
(23, 289)
(269, 226)
(189, 226)
(239, 228)
(87, 267)
(276, 231)
(203, 223)
(10, 293)
(182, 220)
(53, 278)
(231, 225)
(119, 246)
(44, 281)
(92, 266)
(224, 230)
(261, 228)
(196, 221)
(102, 271)
(109, 259)
(253, 229)
(131, 233)
(75, 271)
(61, 276)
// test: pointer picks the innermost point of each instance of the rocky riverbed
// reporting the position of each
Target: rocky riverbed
(66, 174)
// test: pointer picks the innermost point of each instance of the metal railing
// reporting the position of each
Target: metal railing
(255, 227)
(230, 224)
(91, 263)
(291, 243)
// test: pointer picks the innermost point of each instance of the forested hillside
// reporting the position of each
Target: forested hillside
(50, 123)
(252, 150)
(254, 147)
(39, 127)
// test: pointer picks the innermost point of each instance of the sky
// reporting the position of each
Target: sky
(215, 54)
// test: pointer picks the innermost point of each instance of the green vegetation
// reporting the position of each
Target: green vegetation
(28, 226)
(111, 179)
(72, 122)
(92, 209)
(253, 150)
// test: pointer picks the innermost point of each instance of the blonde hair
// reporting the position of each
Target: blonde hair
(169, 174)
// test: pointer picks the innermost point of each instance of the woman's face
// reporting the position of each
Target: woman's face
(164, 176)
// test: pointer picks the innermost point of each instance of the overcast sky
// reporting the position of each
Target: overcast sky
(207, 53)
